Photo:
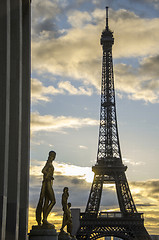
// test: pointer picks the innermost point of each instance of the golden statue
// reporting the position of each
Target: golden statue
(47, 196)
(67, 218)
(69, 224)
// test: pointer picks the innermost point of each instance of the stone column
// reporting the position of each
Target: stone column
(14, 163)
(25, 132)
(14, 117)
(4, 108)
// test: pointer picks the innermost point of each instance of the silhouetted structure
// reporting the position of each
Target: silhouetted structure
(14, 118)
(128, 223)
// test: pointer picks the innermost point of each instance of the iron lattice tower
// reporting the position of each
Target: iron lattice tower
(128, 223)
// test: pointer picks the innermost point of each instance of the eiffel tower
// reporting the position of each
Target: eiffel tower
(109, 168)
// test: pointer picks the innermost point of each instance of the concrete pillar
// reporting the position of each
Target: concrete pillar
(14, 164)
(25, 134)
(4, 108)
(14, 117)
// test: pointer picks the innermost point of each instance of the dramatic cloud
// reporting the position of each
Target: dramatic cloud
(149, 66)
(44, 14)
(67, 86)
(138, 84)
(79, 19)
(63, 169)
(146, 196)
(71, 55)
(148, 189)
(41, 93)
(51, 123)
(133, 163)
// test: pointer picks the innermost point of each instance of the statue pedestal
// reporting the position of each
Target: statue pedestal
(41, 233)
(66, 236)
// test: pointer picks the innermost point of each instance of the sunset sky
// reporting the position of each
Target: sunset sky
(66, 79)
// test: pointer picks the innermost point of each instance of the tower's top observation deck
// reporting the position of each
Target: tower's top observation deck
(107, 39)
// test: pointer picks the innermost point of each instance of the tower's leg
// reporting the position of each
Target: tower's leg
(125, 199)
(141, 233)
(95, 195)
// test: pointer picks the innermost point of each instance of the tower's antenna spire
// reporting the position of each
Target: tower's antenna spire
(107, 18)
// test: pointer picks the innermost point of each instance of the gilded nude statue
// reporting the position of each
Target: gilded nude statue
(47, 196)
(69, 224)
(67, 218)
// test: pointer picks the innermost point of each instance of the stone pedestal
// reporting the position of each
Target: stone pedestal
(43, 233)
(66, 236)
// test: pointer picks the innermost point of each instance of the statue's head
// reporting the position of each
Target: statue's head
(69, 205)
(65, 189)
(52, 155)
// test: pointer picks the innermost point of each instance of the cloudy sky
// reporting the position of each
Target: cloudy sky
(66, 79)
